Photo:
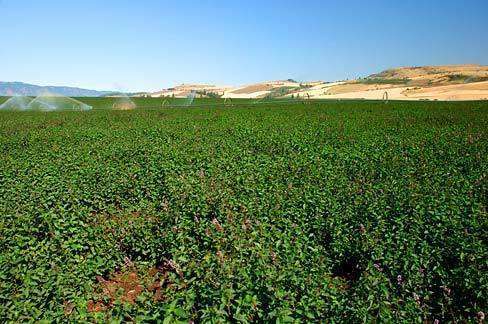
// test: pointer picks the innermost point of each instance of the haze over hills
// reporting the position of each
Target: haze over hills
(449, 82)
(26, 89)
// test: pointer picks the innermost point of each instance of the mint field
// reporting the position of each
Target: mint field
(326, 211)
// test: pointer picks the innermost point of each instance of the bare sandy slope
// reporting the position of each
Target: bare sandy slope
(252, 95)
(316, 90)
(183, 90)
(436, 75)
(393, 94)
(447, 82)
(260, 90)
(469, 91)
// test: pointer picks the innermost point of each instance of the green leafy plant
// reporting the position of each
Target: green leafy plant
(348, 211)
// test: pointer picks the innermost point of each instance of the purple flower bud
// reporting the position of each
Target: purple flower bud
(399, 279)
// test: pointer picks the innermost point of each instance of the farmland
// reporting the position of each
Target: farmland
(342, 211)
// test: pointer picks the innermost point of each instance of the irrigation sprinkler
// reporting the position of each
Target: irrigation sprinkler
(308, 98)
(189, 99)
(228, 102)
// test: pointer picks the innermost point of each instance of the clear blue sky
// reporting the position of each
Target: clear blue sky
(148, 45)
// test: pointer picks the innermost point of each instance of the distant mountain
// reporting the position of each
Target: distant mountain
(25, 89)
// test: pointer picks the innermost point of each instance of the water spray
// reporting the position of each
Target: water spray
(228, 102)
(189, 99)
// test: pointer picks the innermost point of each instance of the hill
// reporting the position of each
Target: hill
(184, 90)
(447, 82)
(26, 89)
(432, 75)
(251, 91)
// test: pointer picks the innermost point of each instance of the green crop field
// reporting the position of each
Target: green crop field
(345, 211)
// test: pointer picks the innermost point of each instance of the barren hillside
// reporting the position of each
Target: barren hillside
(448, 82)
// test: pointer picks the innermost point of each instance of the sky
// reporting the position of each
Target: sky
(148, 45)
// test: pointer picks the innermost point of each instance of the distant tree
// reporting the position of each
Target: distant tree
(213, 95)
